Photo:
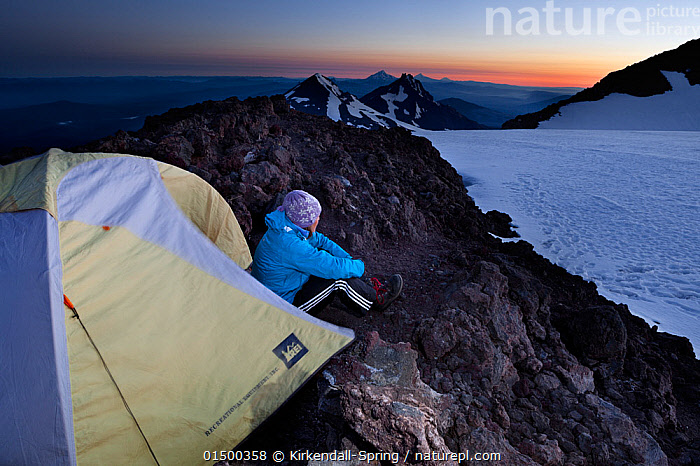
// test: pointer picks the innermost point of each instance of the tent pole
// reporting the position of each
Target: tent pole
(70, 306)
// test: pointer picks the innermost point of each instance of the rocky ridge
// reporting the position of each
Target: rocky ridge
(319, 95)
(491, 348)
(404, 102)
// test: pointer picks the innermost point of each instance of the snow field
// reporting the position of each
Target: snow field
(619, 208)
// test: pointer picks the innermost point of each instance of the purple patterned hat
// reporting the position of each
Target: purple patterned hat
(301, 208)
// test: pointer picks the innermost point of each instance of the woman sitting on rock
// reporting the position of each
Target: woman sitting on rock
(309, 270)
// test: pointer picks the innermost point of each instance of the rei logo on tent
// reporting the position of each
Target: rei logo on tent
(290, 351)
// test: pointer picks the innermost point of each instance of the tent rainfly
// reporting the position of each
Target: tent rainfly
(129, 330)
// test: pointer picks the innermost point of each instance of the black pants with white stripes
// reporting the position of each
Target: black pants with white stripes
(318, 293)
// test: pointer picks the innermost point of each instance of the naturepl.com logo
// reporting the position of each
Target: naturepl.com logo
(553, 20)
(290, 351)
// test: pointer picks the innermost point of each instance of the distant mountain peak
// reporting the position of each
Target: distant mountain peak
(407, 100)
(327, 81)
(423, 77)
(407, 79)
(381, 76)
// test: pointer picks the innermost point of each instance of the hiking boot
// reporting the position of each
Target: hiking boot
(386, 294)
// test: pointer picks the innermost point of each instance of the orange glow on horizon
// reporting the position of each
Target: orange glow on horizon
(523, 70)
(515, 78)
(528, 78)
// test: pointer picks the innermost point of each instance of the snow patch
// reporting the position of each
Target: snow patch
(355, 108)
(506, 240)
(675, 110)
(391, 98)
(333, 107)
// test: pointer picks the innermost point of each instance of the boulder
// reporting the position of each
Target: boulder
(486, 296)
(597, 333)
(265, 175)
(386, 403)
(579, 379)
(176, 148)
(622, 430)
(462, 342)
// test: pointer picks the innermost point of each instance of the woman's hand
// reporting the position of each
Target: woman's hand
(312, 228)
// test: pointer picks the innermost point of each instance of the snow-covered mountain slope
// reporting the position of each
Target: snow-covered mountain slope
(407, 100)
(674, 110)
(318, 95)
(619, 208)
(659, 93)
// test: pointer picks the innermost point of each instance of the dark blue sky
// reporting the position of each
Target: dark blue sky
(353, 39)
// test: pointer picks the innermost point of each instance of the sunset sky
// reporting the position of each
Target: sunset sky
(441, 38)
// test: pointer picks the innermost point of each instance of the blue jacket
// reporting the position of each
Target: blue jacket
(286, 257)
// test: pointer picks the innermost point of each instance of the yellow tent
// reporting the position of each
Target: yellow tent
(164, 347)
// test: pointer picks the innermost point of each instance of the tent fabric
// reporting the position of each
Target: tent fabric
(201, 352)
(31, 184)
(200, 202)
(36, 424)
